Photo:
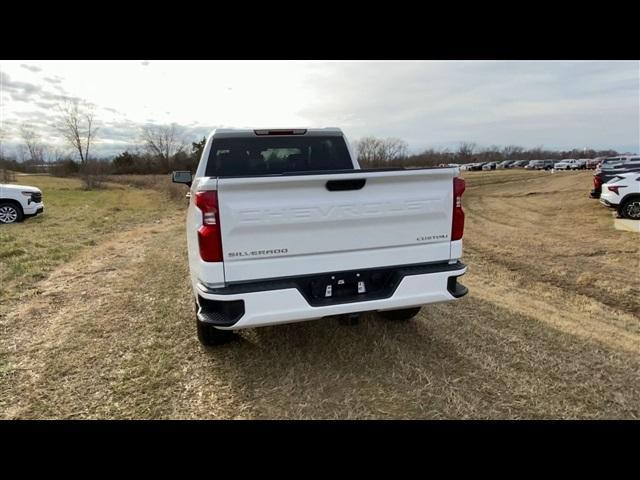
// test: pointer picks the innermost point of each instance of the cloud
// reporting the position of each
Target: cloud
(22, 90)
(31, 68)
(46, 105)
(528, 103)
(116, 136)
(555, 104)
(55, 79)
(29, 92)
(123, 131)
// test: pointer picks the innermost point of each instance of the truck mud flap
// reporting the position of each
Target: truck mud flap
(457, 290)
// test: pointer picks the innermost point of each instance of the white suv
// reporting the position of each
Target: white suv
(18, 202)
(623, 192)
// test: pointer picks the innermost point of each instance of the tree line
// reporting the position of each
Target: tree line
(392, 152)
(163, 148)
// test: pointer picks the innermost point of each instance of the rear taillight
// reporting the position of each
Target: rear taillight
(209, 237)
(597, 181)
(457, 226)
(614, 188)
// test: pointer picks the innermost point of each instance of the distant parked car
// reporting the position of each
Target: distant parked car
(567, 164)
(593, 162)
(622, 192)
(519, 164)
(476, 166)
(625, 164)
(610, 162)
(505, 164)
(540, 165)
(489, 166)
(582, 163)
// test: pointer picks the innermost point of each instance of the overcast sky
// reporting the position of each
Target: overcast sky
(429, 104)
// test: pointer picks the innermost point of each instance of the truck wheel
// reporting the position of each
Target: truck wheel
(404, 314)
(631, 208)
(210, 336)
(10, 213)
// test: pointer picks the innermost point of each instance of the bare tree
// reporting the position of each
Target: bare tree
(33, 142)
(3, 135)
(76, 125)
(394, 149)
(22, 153)
(163, 142)
(466, 150)
(511, 151)
(377, 152)
(56, 154)
(369, 150)
(6, 175)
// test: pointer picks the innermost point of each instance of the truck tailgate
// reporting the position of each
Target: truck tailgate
(280, 226)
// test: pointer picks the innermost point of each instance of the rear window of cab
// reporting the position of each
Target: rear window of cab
(269, 155)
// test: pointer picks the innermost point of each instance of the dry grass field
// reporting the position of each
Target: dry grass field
(96, 319)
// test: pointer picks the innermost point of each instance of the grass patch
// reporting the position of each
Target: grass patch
(161, 183)
(11, 252)
(74, 219)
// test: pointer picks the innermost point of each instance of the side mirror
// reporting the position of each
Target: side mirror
(182, 176)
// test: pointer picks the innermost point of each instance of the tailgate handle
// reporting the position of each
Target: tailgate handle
(351, 184)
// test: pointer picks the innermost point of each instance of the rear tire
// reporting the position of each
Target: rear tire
(210, 335)
(630, 209)
(400, 315)
(10, 213)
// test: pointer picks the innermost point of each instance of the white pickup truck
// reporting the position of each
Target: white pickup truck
(568, 164)
(18, 202)
(284, 226)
